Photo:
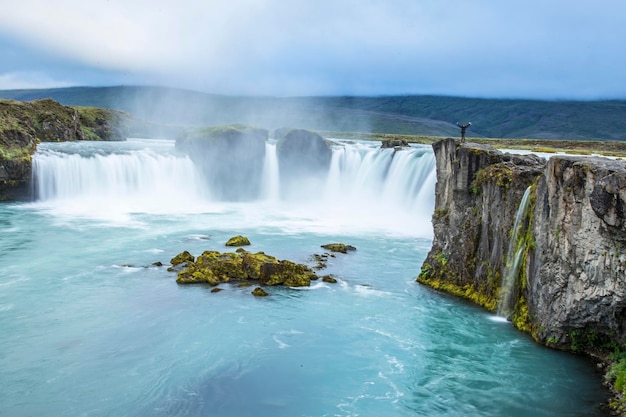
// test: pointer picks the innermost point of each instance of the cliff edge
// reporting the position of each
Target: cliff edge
(24, 124)
(542, 243)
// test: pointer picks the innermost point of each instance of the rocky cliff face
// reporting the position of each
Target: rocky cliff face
(570, 289)
(577, 273)
(478, 192)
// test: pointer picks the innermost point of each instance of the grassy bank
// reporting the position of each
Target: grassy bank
(578, 147)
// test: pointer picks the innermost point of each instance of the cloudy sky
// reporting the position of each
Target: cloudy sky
(483, 48)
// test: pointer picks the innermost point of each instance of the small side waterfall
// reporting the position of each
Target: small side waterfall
(271, 174)
(517, 245)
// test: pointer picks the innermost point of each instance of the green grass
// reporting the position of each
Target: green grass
(578, 147)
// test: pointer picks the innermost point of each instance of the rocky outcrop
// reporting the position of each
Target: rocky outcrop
(339, 247)
(231, 158)
(24, 124)
(302, 155)
(477, 194)
(576, 275)
(303, 152)
(569, 291)
(394, 143)
(214, 268)
(238, 241)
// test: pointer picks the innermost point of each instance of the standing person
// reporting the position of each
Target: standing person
(463, 129)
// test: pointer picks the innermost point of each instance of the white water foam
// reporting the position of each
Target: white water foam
(366, 189)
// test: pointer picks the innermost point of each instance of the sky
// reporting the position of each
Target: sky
(545, 49)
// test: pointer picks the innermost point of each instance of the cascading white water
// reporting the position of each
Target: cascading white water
(380, 189)
(384, 180)
(271, 176)
(513, 258)
(136, 176)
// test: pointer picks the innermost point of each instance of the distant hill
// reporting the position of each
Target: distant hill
(415, 115)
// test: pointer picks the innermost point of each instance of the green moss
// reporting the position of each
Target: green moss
(103, 124)
(184, 256)
(286, 273)
(522, 320)
(466, 291)
(437, 274)
(238, 241)
(521, 317)
(213, 268)
(259, 292)
(339, 247)
(442, 214)
(501, 173)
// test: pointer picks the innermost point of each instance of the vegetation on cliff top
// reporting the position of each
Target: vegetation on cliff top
(211, 133)
(579, 147)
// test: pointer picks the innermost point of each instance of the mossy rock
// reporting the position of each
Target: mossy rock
(259, 292)
(184, 256)
(238, 241)
(286, 273)
(320, 260)
(252, 263)
(329, 279)
(339, 247)
(214, 267)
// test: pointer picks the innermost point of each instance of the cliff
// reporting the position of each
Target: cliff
(576, 275)
(561, 262)
(24, 124)
(477, 194)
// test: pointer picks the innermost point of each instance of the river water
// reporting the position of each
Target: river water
(91, 328)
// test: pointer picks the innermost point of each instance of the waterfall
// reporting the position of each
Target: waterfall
(364, 186)
(514, 255)
(384, 178)
(271, 176)
(99, 180)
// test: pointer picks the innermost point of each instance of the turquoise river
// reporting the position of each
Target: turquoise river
(90, 327)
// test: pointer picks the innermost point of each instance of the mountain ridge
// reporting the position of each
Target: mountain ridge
(401, 114)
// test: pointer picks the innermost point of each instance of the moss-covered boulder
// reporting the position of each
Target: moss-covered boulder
(329, 279)
(231, 158)
(184, 256)
(339, 247)
(238, 241)
(213, 268)
(286, 273)
(252, 263)
(259, 292)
